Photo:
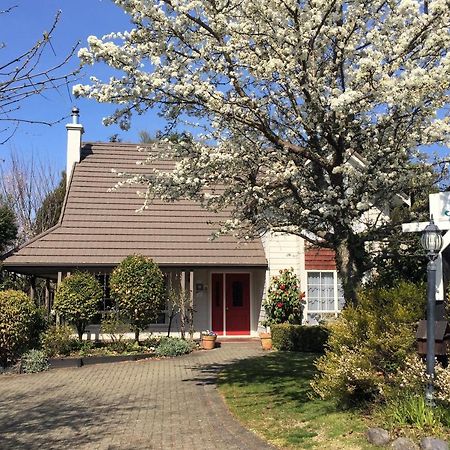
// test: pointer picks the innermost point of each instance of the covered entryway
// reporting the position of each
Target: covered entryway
(230, 304)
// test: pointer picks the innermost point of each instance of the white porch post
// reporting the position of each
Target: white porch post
(191, 304)
(183, 303)
(58, 319)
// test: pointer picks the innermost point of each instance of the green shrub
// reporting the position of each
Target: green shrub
(126, 347)
(137, 284)
(285, 336)
(59, 341)
(34, 361)
(285, 301)
(77, 299)
(370, 343)
(85, 348)
(299, 338)
(133, 347)
(118, 346)
(170, 346)
(20, 324)
(114, 327)
(152, 341)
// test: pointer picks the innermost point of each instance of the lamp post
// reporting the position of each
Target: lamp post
(431, 241)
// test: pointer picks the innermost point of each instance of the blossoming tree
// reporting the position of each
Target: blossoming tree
(309, 111)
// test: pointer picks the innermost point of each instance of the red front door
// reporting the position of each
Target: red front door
(237, 295)
(237, 303)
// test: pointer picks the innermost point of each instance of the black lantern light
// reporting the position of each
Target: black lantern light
(431, 241)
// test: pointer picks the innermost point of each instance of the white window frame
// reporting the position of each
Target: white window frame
(320, 312)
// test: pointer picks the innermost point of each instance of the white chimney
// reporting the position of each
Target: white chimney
(74, 132)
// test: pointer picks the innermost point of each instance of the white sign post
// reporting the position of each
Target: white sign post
(440, 211)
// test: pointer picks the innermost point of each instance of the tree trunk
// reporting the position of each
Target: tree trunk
(136, 336)
(350, 256)
(80, 329)
(171, 316)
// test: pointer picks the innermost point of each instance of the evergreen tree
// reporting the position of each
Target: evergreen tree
(49, 212)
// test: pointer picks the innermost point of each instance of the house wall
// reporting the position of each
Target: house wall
(283, 251)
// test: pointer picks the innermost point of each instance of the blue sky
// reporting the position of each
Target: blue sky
(79, 19)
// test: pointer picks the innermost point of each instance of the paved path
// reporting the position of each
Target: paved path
(165, 404)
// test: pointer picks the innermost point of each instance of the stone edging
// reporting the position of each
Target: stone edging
(381, 437)
(56, 363)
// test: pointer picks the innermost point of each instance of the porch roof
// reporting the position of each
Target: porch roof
(100, 228)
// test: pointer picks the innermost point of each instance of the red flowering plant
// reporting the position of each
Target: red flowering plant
(285, 300)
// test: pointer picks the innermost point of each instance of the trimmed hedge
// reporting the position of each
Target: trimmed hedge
(299, 338)
(20, 324)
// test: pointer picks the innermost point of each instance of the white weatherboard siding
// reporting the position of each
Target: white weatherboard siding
(283, 251)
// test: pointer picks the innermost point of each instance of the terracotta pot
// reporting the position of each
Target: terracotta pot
(266, 341)
(208, 342)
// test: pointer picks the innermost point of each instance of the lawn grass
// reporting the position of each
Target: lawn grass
(270, 395)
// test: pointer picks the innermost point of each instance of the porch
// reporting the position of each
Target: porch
(226, 300)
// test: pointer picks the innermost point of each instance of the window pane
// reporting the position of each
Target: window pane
(238, 294)
(313, 278)
(328, 278)
(341, 299)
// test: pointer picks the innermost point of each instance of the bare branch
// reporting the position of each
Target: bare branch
(23, 77)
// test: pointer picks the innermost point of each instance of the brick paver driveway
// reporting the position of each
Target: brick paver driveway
(165, 404)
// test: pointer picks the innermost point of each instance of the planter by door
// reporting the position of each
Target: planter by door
(266, 341)
(230, 297)
(208, 342)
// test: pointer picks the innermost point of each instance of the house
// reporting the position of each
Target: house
(226, 278)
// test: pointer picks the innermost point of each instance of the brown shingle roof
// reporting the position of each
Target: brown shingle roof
(101, 228)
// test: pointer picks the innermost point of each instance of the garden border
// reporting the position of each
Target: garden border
(58, 363)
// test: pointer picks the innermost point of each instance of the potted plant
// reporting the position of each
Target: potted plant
(284, 303)
(208, 339)
(266, 340)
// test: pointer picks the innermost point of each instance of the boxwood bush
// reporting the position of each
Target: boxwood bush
(137, 285)
(20, 324)
(59, 341)
(299, 338)
(77, 299)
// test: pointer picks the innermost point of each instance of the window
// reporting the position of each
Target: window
(108, 304)
(238, 294)
(324, 294)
